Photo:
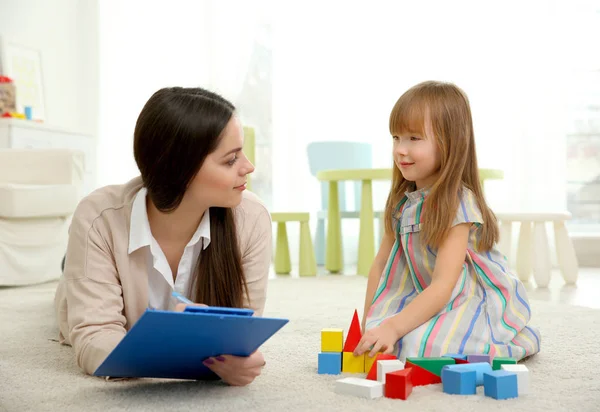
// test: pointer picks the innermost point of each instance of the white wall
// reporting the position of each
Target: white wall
(65, 33)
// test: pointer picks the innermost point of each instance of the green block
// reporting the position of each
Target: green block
(433, 365)
(498, 362)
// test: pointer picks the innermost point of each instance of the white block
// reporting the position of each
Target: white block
(387, 366)
(522, 377)
(362, 388)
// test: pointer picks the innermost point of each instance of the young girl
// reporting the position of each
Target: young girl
(438, 284)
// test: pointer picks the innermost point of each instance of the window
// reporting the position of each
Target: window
(583, 152)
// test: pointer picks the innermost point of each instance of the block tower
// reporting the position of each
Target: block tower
(337, 356)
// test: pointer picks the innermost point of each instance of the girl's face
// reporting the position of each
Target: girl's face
(222, 177)
(418, 156)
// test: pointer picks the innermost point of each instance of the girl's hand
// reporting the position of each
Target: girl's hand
(382, 338)
(235, 370)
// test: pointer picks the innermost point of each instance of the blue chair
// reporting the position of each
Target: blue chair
(338, 155)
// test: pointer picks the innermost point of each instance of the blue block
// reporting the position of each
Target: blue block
(455, 356)
(479, 368)
(459, 382)
(500, 384)
(330, 363)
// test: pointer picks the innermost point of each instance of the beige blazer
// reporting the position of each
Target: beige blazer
(104, 290)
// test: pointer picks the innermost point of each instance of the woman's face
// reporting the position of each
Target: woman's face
(222, 177)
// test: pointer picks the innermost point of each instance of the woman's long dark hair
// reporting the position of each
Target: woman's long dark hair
(177, 128)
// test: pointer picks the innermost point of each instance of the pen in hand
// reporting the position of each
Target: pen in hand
(181, 298)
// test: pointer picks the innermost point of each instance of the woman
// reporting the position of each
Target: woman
(186, 225)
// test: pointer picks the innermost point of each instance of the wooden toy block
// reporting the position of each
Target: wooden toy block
(460, 361)
(433, 365)
(498, 362)
(332, 340)
(479, 358)
(459, 382)
(523, 376)
(455, 356)
(479, 368)
(372, 375)
(370, 361)
(398, 384)
(354, 334)
(386, 366)
(420, 376)
(353, 364)
(330, 363)
(500, 384)
(361, 388)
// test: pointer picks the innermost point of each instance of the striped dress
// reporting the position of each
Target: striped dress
(488, 312)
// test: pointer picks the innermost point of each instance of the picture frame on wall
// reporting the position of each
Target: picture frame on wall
(24, 66)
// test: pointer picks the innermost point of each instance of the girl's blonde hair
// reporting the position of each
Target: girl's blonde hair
(444, 107)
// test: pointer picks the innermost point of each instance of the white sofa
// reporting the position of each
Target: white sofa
(39, 190)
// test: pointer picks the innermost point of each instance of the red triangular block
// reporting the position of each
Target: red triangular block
(372, 375)
(354, 334)
(460, 361)
(420, 376)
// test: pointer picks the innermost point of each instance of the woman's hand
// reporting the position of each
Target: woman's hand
(233, 370)
(381, 338)
(180, 307)
(236, 370)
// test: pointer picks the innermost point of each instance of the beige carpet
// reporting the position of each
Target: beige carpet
(37, 374)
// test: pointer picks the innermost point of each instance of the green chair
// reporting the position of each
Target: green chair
(249, 150)
(308, 264)
(490, 174)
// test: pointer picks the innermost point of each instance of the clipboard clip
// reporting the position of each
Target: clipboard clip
(216, 310)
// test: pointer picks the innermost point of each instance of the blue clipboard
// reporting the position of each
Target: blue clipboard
(165, 344)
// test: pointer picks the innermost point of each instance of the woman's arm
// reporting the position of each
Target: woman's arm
(93, 292)
(448, 267)
(256, 261)
(375, 272)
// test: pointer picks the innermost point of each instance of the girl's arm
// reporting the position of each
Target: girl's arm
(448, 267)
(376, 271)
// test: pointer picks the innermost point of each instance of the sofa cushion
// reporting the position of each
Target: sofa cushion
(26, 201)
(31, 250)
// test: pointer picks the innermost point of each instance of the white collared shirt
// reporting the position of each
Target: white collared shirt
(160, 278)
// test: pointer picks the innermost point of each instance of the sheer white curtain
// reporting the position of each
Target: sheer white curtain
(340, 66)
(144, 46)
(149, 44)
(231, 29)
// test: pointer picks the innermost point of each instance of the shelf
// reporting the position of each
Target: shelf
(30, 124)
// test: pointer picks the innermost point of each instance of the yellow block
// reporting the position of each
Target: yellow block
(370, 361)
(353, 364)
(332, 340)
